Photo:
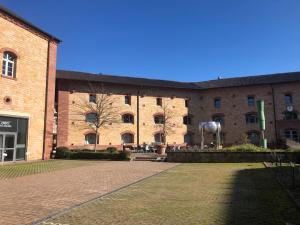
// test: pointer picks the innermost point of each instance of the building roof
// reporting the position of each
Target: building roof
(250, 80)
(220, 83)
(20, 19)
(81, 76)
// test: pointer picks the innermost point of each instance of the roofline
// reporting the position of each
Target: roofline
(196, 84)
(22, 20)
(131, 77)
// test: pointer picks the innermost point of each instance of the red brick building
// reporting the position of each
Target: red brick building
(27, 89)
(230, 101)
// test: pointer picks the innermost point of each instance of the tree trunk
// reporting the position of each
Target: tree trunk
(95, 146)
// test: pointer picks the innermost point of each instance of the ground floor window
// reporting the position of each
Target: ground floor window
(127, 138)
(292, 134)
(159, 138)
(90, 139)
(253, 137)
(188, 139)
(13, 138)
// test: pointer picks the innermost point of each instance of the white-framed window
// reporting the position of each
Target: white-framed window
(127, 138)
(127, 99)
(251, 101)
(288, 99)
(91, 117)
(292, 134)
(9, 65)
(159, 119)
(159, 101)
(92, 98)
(251, 118)
(128, 118)
(90, 139)
(159, 138)
(188, 139)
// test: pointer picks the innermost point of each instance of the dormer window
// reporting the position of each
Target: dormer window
(9, 65)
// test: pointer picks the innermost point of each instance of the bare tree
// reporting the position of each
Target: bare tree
(167, 126)
(98, 113)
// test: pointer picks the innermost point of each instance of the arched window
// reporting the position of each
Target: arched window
(253, 137)
(188, 139)
(91, 139)
(127, 138)
(251, 118)
(9, 65)
(91, 117)
(128, 118)
(292, 134)
(159, 138)
(290, 115)
(219, 118)
(159, 119)
(187, 120)
(288, 99)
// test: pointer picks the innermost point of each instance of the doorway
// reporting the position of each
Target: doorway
(8, 147)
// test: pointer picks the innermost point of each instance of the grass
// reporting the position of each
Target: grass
(208, 194)
(8, 171)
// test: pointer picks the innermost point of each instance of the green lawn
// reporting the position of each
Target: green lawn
(206, 194)
(8, 171)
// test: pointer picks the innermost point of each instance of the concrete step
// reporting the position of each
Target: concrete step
(153, 159)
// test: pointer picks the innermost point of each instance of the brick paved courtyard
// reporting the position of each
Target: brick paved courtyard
(206, 194)
(31, 197)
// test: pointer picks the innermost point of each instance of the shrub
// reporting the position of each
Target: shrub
(67, 154)
(111, 149)
(244, 148)
(61, 152)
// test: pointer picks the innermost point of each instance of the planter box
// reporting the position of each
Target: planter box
(230, 157)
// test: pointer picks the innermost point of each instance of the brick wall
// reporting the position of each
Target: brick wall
(28, 90)
(234, 107)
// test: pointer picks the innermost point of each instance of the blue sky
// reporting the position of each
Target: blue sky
(185, 40)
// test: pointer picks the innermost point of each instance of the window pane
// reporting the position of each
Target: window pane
(92, 98)
(127, 138)
(217, 103)
(288, 99)
(22, 131)
(251, 101)
(91, 117)
(20, 154)
(90, 138)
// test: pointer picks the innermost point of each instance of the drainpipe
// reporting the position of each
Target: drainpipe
(138, 118)
(274, 114)
(46, 99)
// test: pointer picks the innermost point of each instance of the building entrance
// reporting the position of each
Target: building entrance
(13, 138)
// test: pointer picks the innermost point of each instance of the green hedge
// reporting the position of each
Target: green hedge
(65, 153)
(244, 148)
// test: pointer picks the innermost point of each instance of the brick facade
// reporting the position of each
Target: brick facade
(234, 107)
(33, 88)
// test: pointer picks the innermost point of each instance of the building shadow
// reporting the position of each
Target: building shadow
(256, 198)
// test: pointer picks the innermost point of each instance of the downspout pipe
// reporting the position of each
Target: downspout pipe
(46, 99)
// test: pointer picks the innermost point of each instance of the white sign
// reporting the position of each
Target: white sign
(6, 124)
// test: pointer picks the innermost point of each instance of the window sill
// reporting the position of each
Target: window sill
(7, 77)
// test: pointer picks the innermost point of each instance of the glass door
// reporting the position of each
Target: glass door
(1, 146)
(7, 146)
